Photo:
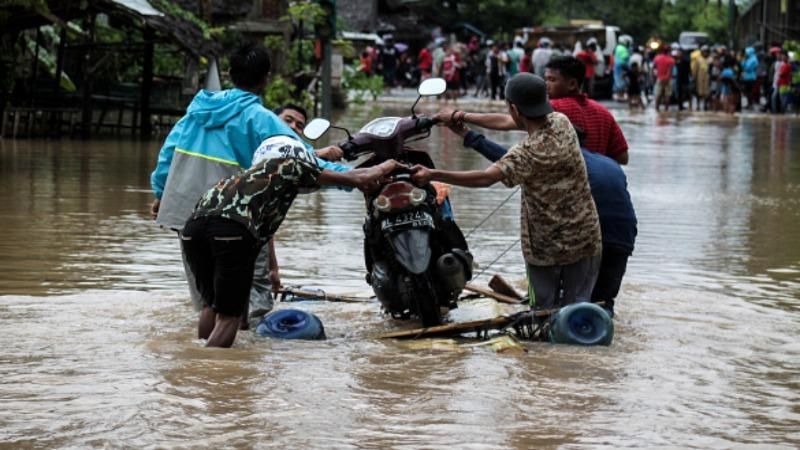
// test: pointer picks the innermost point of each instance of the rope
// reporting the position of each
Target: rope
(496, 259)
(492, 213)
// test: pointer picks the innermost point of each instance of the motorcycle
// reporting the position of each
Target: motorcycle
(416, 257)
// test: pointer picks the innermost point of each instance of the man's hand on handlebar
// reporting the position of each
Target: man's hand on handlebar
(421, 175)
(330, 153)
(444, 116)
(373, 177)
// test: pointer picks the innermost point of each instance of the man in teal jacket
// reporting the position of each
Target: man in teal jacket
(214, 140)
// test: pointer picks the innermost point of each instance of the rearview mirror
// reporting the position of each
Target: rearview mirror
(432, 86)
(316, 128)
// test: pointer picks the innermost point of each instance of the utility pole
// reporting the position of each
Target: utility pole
(732, 24)
(326, 32)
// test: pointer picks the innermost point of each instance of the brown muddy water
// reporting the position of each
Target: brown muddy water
(97, 333)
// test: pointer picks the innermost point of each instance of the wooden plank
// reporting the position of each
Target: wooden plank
(454, 329)
(321, 295)
(492, 294)
(501, 286)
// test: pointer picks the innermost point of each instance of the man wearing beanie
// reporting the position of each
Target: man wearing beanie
(560, 231)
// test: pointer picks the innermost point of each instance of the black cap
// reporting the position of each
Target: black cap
(528, 93)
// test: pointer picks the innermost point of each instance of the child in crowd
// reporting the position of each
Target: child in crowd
(729, 89)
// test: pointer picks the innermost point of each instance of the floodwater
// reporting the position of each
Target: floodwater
(97, 332)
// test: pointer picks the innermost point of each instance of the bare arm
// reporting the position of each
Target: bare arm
(471, 178)
(363, 179)
(622, 158)
(274, 272)
(492, 121)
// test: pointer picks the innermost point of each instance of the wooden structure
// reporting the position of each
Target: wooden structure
(48, 106)
(769, 22)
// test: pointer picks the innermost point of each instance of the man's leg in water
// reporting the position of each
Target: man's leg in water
(224, 332)
(579, 278)
(543, 285)
(260, 296)
(199, 264)
(234, 251)
(206, 323)
(609, 278)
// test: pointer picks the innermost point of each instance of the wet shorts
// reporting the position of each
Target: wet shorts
(221, 254)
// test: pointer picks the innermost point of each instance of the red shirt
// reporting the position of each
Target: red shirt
(664, 64)
(425, 59)
(589, 59)
(603, 134)
(525, 64)
(785, 74)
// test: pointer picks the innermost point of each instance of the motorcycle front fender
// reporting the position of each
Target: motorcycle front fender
(412, 249)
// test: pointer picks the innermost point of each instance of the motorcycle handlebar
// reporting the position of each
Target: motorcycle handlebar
(426, 123)
(350, 149)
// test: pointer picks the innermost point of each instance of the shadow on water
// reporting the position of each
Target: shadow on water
(99, 345)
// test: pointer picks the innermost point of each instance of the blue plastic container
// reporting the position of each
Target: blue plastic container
(291, 324)
(582, 324)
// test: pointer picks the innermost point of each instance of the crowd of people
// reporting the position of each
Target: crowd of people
(709, 78)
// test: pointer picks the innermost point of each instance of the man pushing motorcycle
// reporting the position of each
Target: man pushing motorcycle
(560, 230)
(237, 217)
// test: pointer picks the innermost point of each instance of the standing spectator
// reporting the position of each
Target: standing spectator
(388, 61)
(634, 80)
(715, 85)
(663, 65)
(785, 82)
(729, 89)
(365, 63)
(683, 77)
(514, 58)
(700, 75)
(541, 56)
(425, 63)
(496, 70)
(474, 44)
(621, 56)
(749, 76)
(479, 70)
(526, 62)
(451, 73)
(589, 58)
(776, 71)
(438, 56)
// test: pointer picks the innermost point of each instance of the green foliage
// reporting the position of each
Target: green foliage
(307, 11)
(361, 84)
(173, 9)
(280, 91)
(694, 15)
(297, 58)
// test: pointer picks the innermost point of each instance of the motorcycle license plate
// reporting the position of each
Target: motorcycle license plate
(412, 219)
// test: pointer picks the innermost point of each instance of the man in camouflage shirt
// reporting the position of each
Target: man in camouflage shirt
(560, 230)
(239, 215)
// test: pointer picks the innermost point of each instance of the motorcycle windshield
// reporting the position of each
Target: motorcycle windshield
(412, 249)
(382, 127)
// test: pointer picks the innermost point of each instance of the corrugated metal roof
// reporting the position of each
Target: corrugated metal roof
(142, 7)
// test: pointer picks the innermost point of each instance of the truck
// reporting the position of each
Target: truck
(574, 37)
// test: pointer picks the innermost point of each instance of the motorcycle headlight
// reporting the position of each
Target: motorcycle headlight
(418, 196)
(382, 203)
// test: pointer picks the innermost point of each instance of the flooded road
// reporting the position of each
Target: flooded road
(97, 333)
